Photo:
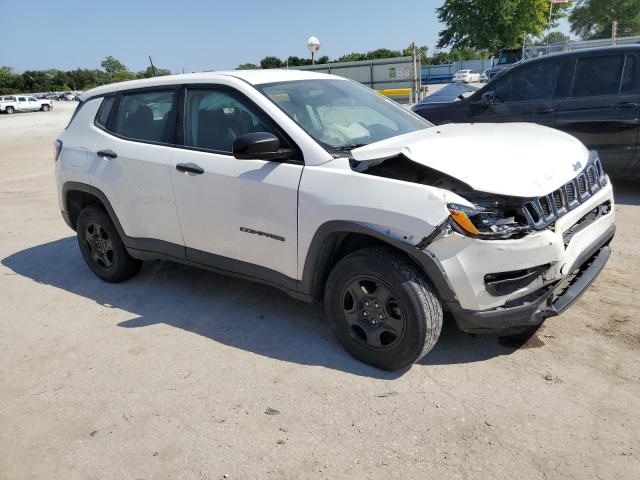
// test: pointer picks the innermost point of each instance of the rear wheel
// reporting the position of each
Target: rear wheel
(382, 309)
(102, 247)
(9, 110)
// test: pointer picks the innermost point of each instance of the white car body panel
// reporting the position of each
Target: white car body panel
(233, 194)
(518, 159)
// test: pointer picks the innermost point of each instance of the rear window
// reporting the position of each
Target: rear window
(147, 116)
(597, 76)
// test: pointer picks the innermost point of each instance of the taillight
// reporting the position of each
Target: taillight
(57, 145)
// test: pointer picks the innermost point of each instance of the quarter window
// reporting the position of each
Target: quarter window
(148, 116)
(631, 76)
(215, 118)
(105, 110)
(529, 83)
(597, 76)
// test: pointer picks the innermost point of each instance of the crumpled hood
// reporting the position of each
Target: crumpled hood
(516, 159)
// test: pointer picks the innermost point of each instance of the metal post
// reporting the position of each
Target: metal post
(614, 33)
(313, 58)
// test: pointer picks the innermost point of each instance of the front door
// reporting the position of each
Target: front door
(234, 213)
(527, 93)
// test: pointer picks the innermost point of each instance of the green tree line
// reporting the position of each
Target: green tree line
(54, 80)
(438, 58)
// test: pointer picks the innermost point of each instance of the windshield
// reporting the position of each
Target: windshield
(341, 114)
(509, 57)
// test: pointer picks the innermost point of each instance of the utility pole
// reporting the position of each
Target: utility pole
(415, 87)
(614, 33)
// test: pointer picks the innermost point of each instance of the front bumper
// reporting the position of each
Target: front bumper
(548, 301)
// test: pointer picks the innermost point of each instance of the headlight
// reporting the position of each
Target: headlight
(479, 221)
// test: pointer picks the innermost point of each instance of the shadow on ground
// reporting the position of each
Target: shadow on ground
(234, 312)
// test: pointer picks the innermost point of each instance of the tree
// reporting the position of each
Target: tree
(153, 72)
(112, 65)
(493, 24)
(553, 37)
(247, 66)
(10, 81)
(591, 19)
(271, 62)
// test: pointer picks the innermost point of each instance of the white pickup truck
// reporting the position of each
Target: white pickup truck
(23, 103)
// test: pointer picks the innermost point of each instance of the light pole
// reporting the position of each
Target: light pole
(313, 44)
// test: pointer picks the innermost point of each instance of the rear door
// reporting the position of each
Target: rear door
(22, 104)
(131, 164)
(602, 110)
(526, 93)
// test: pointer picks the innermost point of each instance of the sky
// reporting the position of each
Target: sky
(197, 35)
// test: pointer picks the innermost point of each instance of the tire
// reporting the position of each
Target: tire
(45, 108)
(9, 110)
(102, 247)
(391, 286)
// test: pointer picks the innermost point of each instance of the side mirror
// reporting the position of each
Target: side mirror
(260, 146)
(486, 99)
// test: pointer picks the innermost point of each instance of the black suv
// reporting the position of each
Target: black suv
(592, 94)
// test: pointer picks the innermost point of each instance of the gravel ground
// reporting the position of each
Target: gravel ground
(181, 373)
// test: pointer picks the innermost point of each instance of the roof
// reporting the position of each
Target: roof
(254, 77)
(589, 51)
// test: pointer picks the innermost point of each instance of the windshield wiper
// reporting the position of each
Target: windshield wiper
(348, 148)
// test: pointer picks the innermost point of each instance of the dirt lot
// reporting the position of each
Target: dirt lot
(169, 375)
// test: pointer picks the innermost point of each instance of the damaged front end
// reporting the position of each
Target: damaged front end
(493, 216)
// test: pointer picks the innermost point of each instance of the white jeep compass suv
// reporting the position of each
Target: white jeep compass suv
(321, 187)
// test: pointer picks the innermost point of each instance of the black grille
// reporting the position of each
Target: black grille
(570, 192)
(557, 200)
(543, 211)
(582, 184)
(546, 208)
(591, 176)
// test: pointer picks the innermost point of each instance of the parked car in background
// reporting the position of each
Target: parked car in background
(23, 103)
(453, 92)
(591, 94)
(337, 195)
(507, 58)
(484, 76)
(466, 76)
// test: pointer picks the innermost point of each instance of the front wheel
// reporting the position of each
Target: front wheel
(102, 247)
(382, 308)
(45, 108)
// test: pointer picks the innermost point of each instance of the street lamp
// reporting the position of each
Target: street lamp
(313, 44)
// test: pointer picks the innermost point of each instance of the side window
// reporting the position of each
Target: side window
(148, 116)
(528, 82)
(215, 118)
(102, 117)
(630, 76)
(596, 76)
(22, 99)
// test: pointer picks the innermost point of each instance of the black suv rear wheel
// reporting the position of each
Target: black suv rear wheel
(102, 247)
(382, 308)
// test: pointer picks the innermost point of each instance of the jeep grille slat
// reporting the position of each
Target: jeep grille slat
(545, 210)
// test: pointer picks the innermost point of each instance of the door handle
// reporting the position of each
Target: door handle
(625, 105)
(107, 154)
(190, 168)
